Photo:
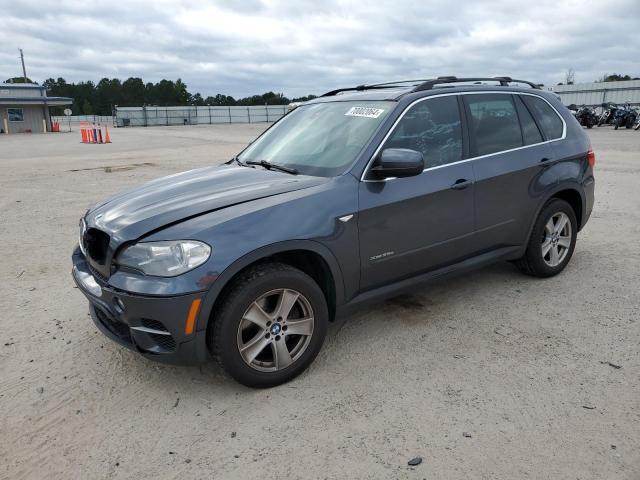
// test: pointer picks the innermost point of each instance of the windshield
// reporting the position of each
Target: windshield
(321, 139)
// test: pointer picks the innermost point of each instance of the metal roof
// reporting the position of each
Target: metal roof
(36, 100)
(20, 86)
(597, 93)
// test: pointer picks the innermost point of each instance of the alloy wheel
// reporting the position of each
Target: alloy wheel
(556, 241)
(275, 330)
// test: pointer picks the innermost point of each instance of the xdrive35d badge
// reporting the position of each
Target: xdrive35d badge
(355, 196)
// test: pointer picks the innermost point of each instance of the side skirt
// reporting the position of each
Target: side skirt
(402, 286)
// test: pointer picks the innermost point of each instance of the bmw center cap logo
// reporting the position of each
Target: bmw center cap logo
(275, 329)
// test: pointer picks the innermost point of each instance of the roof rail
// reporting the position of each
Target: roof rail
(361, 88)
(504, 82)
(427, 84)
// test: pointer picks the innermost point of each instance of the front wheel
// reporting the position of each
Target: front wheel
(552, 240)
(270, 325)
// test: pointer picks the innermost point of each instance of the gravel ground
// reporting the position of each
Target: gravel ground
(490, 375)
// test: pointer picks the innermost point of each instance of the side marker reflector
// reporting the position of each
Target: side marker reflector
(191, 318)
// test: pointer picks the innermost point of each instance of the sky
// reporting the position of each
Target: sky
(245, 47)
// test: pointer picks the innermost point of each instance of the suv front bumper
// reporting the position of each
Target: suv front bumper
(153, 326)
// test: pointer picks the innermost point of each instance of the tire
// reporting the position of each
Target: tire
(637, 126)
(539, 264)
(616, 125)
(257, 294)
(629, 122)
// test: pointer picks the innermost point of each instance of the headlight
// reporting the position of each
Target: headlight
(165, 259)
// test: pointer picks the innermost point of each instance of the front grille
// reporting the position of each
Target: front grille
(119, 329)
(96, 273)
(96, 244)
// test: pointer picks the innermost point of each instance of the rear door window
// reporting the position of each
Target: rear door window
(530, 132)
(432, 127)
(547, 118)
(493, 123)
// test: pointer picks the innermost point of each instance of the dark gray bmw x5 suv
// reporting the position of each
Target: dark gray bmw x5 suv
(352, 197)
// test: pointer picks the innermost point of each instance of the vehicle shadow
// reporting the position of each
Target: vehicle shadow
(432, 306)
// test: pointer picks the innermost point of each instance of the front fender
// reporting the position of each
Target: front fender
(231, 271)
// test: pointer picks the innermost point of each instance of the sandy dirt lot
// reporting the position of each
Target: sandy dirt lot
(493, 375)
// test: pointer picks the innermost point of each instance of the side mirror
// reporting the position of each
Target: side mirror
(398, 162)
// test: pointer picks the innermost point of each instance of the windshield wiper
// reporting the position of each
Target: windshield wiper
(237, 160)
(274, 166)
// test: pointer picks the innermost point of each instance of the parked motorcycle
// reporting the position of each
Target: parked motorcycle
(608, 112)
(586, 116)
(625, 116)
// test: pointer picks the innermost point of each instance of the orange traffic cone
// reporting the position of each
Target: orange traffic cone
(99, 132)
(83, 134)
(107, 139)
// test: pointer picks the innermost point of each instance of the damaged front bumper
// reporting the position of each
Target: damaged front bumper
(154, 326)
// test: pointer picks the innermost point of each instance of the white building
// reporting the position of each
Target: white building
(24, 108)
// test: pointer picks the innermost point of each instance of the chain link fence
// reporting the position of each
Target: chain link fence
(154, 116)
(75, 120)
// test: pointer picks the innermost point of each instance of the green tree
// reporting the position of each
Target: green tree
(133, 93)
(196, 100)
(615, 78)
(19, 80)
(87, 109)
(89, 98)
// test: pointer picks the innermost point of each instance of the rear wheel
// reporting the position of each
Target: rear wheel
(552, 240)
(270, 326)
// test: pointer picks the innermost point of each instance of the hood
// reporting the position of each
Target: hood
(134, 213)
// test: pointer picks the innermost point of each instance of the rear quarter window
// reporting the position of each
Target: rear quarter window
(547, 118)
(530, 133)
(493, 122)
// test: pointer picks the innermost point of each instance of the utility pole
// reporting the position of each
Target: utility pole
(24, 70)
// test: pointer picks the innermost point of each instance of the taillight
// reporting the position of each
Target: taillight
(591, 158)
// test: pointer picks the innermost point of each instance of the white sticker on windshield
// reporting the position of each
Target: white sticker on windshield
(367, 112)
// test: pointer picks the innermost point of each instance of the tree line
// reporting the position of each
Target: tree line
(100, 98)
(570, 75)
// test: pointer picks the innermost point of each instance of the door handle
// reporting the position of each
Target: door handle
(461, 184)
(544, 160)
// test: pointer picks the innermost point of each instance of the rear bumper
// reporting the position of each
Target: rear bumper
(151, 326)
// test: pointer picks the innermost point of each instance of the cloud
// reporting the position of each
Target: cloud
(241, 47)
